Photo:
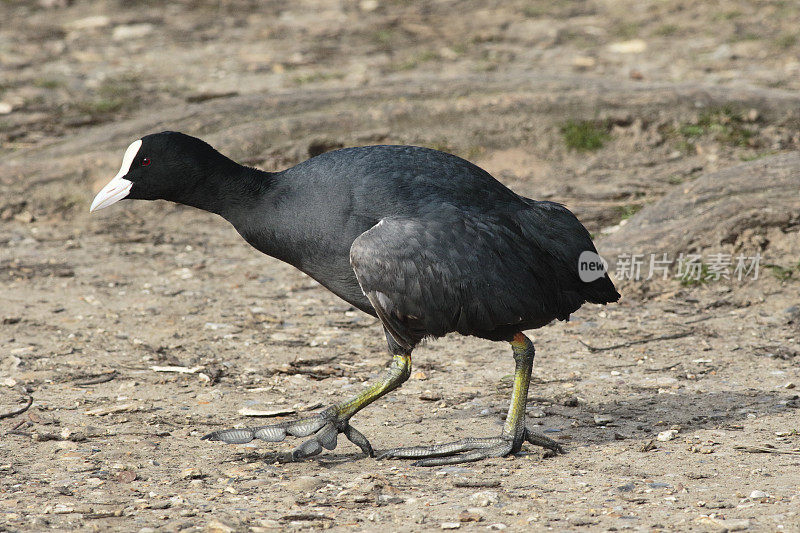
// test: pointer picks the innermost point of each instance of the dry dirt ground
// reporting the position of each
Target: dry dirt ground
(677, 406)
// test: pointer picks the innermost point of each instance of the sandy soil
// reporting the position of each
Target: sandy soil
(677, 406)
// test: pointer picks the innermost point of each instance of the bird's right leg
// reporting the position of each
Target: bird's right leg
(326, 425)
(515, 431)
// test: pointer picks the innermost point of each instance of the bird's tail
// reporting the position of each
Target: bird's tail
(584, 272)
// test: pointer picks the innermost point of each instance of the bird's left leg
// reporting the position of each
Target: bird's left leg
(328, 424)
(510, 441)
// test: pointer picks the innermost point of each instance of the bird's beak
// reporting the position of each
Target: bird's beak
(118, 188)
(114, 191)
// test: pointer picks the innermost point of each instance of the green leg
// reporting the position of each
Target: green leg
(514, 431)
(394, 376)
(523, 365)
(326, 425)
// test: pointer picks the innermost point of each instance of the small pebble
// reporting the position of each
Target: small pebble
(627, 487)
(450, 525)
(429, 396)
(485, 498)
(634, 46)
(368, 5)
(758, 494)
(602, 420)
(215, 526)
(572, 401)
(669, 434)
(305, 484)
(191, 473)
(470, 516)
(131, 31)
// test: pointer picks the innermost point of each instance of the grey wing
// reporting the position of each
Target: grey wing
(470, 275)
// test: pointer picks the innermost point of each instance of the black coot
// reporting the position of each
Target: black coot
(424, 240)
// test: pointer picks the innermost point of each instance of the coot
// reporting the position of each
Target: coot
(426, 241)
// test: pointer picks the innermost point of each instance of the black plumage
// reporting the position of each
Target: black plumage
(428, 242)
(437, 244)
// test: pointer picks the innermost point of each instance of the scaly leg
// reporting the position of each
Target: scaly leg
(327, 424)
(515, 432)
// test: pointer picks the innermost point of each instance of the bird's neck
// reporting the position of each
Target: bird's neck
(230, 190)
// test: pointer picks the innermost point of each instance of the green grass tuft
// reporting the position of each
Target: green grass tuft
(113, 95)
(689, 281)
(627, 211)
(783, 273)
(314, 77)
(585, 135)
(724, 124)
(47, 83)
(665, 30)
(414, 61)
(787, 40)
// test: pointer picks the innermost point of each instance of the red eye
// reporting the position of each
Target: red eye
(145, 162)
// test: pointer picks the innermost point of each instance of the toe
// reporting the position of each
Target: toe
(324, 428)
(358, 438)
(231, 436)
(270, 433)
(307, 449)
(443, 450)
(327, 436)
(537, 439)
(305, 427)
(495, 451)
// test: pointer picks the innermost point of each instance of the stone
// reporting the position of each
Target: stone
(89, 23)
(584, 62)
(305, 483)
(129, 32)
(191, 473)
(602, 420)
(667, 435)
(215, 526)
(634, 46)
(485, 498)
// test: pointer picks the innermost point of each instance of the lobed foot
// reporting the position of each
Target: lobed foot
(469, 450)
(325, 426)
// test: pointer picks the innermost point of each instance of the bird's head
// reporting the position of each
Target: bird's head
(162, 166)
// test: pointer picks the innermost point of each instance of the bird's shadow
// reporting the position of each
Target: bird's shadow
(644, 415)
(327, 460)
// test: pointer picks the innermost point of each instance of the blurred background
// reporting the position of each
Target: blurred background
(668, 127)
(551, 92)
